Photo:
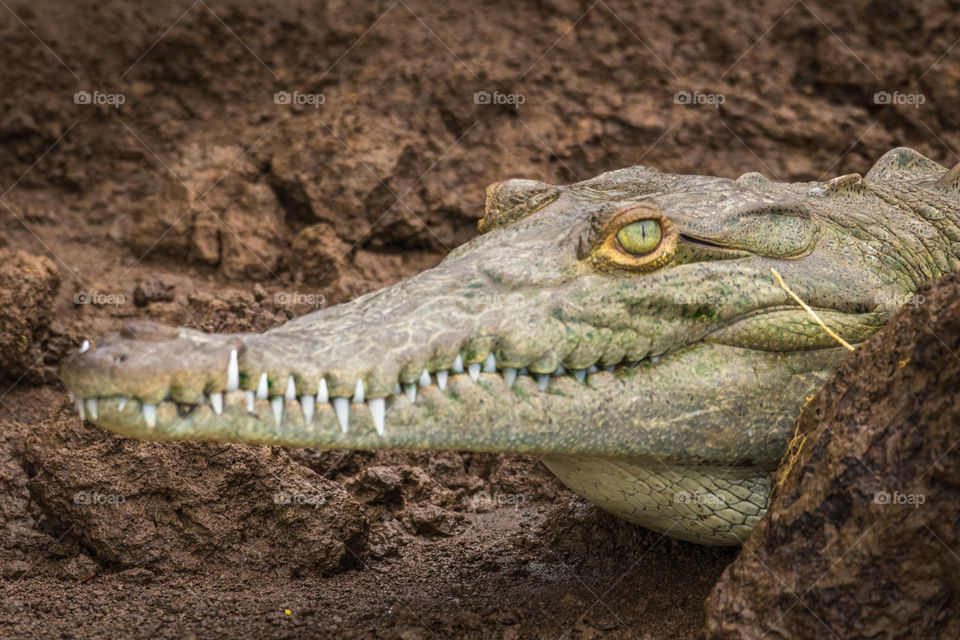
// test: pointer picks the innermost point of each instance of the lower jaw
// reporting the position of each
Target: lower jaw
(709, 504)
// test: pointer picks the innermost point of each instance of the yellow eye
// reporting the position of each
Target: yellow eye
(639, 238)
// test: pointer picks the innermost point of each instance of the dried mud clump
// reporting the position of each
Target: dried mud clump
(28, 285)
(198, 506)
(861, 540)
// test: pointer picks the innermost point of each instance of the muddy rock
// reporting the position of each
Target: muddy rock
(861, 537)
(191, 506)
(317, 255)
(28, 285)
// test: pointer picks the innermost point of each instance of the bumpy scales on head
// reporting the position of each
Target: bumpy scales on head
(627, 329)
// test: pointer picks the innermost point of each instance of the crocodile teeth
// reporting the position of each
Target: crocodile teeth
(397, 389)
(580, 375)
(425, 379)
(490, 364)
(543, 380)
(358, 393)
(457, 367)
(251, 396)
(560, 371)
(291, 392)
(91, 407)
(277, 405)
(85, 346)
(474, 370)
(411, 390)
(306, 403)
(233, 372)
(322, 396)
(592, 369)
(442, 378)
(342, 408)
(263, 388)
(150, 415)
(378, 410)
(216, 401)
(509, 375)
(81, 410)
(122, 404)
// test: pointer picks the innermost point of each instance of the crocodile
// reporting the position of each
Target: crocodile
(627, 330)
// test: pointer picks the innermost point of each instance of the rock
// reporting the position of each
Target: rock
(189, 506)
(318, 254)
(28, 285)
(861, 538)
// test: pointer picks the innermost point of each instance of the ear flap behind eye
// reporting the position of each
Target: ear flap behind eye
(511, 200)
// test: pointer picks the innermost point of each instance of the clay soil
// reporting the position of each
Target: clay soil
(153, 167)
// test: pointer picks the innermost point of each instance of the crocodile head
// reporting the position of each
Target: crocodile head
(627, 329)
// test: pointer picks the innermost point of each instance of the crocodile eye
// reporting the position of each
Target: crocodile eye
(636, 238)
(639, 238)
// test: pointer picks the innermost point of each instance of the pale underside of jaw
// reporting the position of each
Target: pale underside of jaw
(233, 398)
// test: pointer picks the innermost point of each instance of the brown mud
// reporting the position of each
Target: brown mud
(209, 199)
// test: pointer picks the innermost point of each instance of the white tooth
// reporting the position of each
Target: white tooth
(72, 397)
(560, 371)
(358, 393)
(543, 380)
(233, 372)
(411, 390)
(85, 346)
(654, 359)
(150, 415)
(474, 370)
(306, 403)
(580, 375)
(291, 392)
(322, 396)
(91, 408)
(342, 407)
(263, 388)
(425, 380)
(122, 404)
(490, 364)
(442, 378)
(81, 410)
(457, 365)
(378, 410)
(592, 369)
(251, 396)
(277, 404)
(216, 401)
(509, 375)
(397, 389)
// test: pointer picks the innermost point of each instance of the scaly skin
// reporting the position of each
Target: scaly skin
(661, 382)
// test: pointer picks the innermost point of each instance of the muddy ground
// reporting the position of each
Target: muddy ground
(228, 165)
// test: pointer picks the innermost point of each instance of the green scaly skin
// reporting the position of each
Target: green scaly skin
(671, 384)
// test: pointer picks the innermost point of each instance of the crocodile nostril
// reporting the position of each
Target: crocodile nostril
(120, 358)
